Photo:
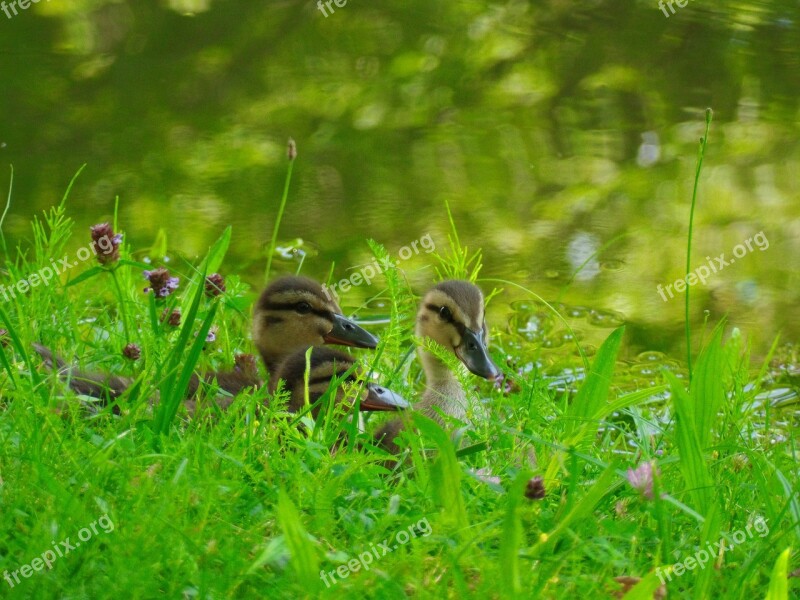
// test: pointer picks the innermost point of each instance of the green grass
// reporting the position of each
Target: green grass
(242, 504)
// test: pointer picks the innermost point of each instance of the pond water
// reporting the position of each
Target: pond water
(563, 135)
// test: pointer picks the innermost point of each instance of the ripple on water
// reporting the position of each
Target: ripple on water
(612, 266)
(606, 318)
(533, 326)
(576, 312)
(778, 397)
(651, 356)
(562, 338)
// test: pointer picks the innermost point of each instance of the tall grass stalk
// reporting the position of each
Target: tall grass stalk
(701, 154)
(5, 210)
(292, 154)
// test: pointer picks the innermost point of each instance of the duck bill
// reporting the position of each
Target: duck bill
(347, 333)
(472, 352)
(383, 399)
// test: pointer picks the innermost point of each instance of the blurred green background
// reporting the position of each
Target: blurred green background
(559, 132)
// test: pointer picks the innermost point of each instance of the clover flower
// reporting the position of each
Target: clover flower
(106, 243)
(641, 478)
(534, 490)
(161, 284)
(246, 364)
(173, 318)
(215, 285)
(132, 352)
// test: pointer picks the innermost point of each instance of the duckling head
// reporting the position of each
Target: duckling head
(324, 365)
(452, 314)
(294, 313)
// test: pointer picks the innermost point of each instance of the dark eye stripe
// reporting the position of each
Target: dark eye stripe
(460, 327)
(325, 314)
(438, 310)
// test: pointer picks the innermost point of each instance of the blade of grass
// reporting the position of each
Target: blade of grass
(5, 211)
(583, 509)
(512, 538)
(274, 240)
(304, 559)
(445, 474)
(169, 396)
(778, 587)
(693, 463)
(707, 388)
(580, 426)
(645, 589)
(700, 156)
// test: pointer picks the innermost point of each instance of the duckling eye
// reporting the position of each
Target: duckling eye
(445, 314)
(303, 308)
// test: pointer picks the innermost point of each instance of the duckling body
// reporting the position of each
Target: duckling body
(452, 315)
(96, 385)
(325, 365)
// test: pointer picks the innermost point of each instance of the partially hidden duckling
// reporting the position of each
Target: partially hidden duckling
(96, 385)
(452, 315)
(325, 365)
(292, 314)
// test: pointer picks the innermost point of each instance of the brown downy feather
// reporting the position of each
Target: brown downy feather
(325, 365)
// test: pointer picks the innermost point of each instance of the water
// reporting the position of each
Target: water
(563, 135)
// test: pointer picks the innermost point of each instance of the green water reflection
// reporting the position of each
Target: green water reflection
(561, 133)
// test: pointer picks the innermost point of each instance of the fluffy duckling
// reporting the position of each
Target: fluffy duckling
(325, 365)
(451, 314)
(294, 313)
(96, 385)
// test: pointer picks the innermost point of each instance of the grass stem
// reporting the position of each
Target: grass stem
(700, 156)
(274, 241)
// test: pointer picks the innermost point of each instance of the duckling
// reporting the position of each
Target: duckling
(325, 365)
(96, 385)
(294, 313)
(451, 314)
